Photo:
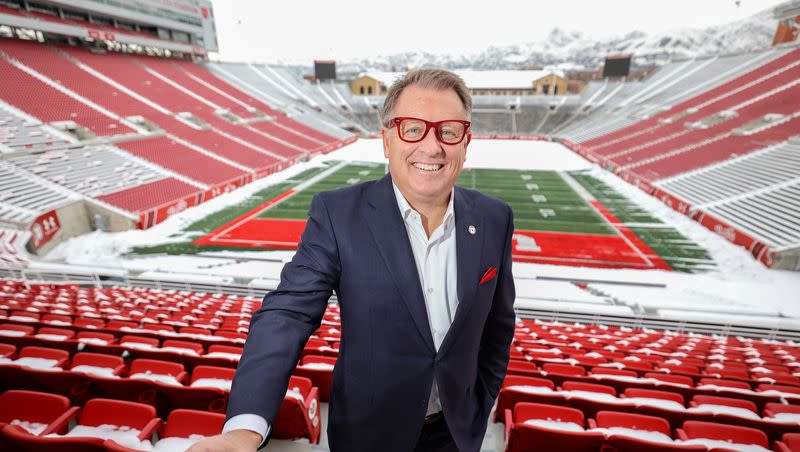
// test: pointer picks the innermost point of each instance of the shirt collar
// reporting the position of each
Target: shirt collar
(406, 209)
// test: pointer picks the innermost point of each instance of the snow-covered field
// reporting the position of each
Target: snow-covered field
(738, 282)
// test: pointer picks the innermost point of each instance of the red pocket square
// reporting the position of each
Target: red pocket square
(491, 272)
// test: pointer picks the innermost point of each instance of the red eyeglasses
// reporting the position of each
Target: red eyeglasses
(414, 130)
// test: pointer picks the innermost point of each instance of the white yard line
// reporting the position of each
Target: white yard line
(298, 188)
(572, 182)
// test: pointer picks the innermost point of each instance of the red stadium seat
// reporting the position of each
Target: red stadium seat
(700, 399)
(184, 423)
(722, 432)
(88, 322)
(564, 370)
(37, 407)
(7, 351)
(655, 394)
(562, 429)
(622, 442)
(318, 369)
(157, 367)
(59, 356)
(790, 442)
(509, 397)
(588, 387)
(15, 330)
(115, 363)
(668, 378)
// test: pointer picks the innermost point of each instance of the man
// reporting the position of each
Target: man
(422, 271)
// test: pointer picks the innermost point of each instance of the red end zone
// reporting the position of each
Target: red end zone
(624, 250)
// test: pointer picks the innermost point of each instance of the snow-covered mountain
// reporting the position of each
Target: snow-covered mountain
(574, 49)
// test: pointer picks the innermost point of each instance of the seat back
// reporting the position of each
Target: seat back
(564, 369)
(524, 411)
(318, 359)
(68, 334)
(142, 365)
(668, 378)
(725, 432)
(31, 406)
(301, 384)
(655, 394)
(702, 399)
(120, 413)
(725, 383)
(221, 373)
(608, 419)
(183, 423)
(589, 387)
(198, 348)
(61, 356)
(520, 380)
(773, 408)
(613, 371)
(7, 350)
(97, 360)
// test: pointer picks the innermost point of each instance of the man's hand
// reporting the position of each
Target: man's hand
(232, 441)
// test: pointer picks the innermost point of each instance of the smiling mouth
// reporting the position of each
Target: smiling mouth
(432, 167)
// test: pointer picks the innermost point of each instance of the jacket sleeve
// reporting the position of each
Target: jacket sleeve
(288, 316)
(499, 328)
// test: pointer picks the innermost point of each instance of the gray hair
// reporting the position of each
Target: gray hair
(438, 79)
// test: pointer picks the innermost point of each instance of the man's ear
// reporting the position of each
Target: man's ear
(385, 139)
(469, 138)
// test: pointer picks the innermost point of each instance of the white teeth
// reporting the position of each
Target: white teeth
(427, 167)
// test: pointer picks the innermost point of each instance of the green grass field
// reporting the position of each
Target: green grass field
(541, 200)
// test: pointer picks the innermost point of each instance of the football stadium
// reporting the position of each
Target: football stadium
(152, 191)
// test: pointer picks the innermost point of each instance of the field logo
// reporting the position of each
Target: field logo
(526, 243)
(726, 232)
(180, 206)
(44, 228)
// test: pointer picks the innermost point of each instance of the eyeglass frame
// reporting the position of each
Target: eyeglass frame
(395, 122)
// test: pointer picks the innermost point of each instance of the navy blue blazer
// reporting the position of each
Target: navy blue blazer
(355, 243)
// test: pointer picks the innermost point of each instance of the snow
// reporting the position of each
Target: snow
(724, 409)
(12, 333)
(294, 393)
(51, 337)
(319, 366)
(93, 341)
(165, 379)
(123, 435)
(37, 363)
(230, 356)
(786, 417)
(739, 290)
(105, 372)
(217, 383)
(714, 443)
(656, 437)
(554, 425)
(34, 428)
(530, 389)
(179, 350)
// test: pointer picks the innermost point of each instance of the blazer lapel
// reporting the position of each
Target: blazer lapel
(469, 248)
(389, 232)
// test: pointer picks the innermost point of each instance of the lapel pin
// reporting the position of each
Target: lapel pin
(472, 230)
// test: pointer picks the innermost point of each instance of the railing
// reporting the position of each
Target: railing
(637, 321)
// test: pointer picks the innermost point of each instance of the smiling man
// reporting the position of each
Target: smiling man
(422, 273)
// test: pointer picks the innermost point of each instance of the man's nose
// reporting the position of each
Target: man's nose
(430, 145)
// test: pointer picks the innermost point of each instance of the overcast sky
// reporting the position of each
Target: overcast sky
(298, 32)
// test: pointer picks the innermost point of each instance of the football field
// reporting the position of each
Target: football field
(566, 218)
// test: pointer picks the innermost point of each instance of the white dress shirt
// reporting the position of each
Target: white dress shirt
(435, 258)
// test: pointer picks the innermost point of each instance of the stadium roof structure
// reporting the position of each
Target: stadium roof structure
(501, 79)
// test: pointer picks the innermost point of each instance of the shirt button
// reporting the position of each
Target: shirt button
(430, 289)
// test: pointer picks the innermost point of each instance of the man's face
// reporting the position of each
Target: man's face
(442, 162)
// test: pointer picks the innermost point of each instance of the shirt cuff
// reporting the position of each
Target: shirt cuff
(252, 422)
